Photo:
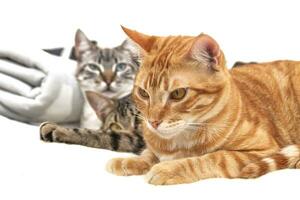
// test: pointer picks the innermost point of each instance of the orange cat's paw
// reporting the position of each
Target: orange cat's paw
(127, 166)
(297, 165)
(167, 173)
(252, 170)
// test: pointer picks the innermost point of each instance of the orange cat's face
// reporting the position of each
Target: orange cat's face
(180, 82)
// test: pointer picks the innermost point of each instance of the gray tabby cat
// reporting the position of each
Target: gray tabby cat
(106, 79)
(109, 71)
(121, 130)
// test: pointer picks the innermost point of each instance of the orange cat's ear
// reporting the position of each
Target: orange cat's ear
(144, 41)
(206, 50)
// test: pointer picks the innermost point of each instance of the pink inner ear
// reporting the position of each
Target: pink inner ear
(210, 46)
(206, 49)
(101, 105)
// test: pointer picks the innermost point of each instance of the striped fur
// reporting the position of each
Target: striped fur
(109, 139)
(238, 123)
(121, 129)
(287, 157)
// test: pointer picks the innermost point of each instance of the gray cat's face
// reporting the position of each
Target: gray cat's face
(110, 72)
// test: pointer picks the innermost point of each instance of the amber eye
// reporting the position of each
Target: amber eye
(178, 94)
(143, 93)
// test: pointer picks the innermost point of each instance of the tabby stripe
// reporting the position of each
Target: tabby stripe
(223, 166)
(239, 161)
(253, 100)
(190, 166)
(114, 141)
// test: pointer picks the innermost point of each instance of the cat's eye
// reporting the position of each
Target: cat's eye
(92, 67)
(121, 66)
(143, 93)
(178, 94)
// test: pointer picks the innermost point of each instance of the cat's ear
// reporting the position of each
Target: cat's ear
(100, 104)
(144, 41)
(135, 50)
(82, 43)
(130, 45)
(206, 51)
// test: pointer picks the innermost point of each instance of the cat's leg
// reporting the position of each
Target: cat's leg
(110, 140)
(132, 166)
(51, 132)
(287, 157)
(226, 164)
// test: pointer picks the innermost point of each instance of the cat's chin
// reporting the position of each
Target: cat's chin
(109, 94)
(166, 134)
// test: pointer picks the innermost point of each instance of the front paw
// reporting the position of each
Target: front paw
(127, 166)
(47, 131)
(51, 132)
(169, 173)
(297, 165)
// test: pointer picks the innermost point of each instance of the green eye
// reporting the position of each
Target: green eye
(121, 66)
(178, 94)
(92, 67)
(143, 93)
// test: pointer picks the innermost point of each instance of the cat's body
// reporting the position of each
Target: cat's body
(203, 121)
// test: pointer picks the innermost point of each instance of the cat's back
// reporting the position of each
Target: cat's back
(269, 75)
(271, 92)
(270, 82)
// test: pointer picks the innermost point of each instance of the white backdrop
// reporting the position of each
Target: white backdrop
(253, 30)
(246, 30)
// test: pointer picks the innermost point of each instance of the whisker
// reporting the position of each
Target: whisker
(208, 124)
(141, 117)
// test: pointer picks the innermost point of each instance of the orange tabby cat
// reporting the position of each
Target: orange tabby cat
(202, 120)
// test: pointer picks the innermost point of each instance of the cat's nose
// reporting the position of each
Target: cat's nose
(108, 80)
(108, 77)
(155, 123)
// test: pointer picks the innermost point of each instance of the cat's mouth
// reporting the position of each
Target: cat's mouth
(109, 93)
(169, 131)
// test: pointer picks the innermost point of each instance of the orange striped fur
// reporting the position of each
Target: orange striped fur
(239, 123)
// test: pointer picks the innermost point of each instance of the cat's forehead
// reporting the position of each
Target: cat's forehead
(106, 55)
(164, 79)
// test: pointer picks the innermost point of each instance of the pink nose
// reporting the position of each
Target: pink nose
(155, 123)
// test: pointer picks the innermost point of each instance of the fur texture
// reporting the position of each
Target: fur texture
(121, 129)
(202, 120)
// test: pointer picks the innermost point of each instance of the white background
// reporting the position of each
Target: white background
(246, 30)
